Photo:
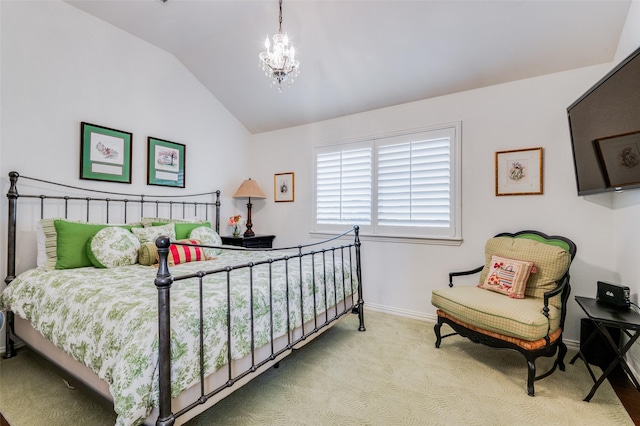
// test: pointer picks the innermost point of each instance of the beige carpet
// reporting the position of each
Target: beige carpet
(389, 375)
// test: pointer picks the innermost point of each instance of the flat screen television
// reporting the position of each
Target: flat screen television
(605, 131)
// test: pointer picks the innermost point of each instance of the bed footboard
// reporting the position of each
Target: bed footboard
(349, 285)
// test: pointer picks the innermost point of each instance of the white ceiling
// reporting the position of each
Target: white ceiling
(361, 55)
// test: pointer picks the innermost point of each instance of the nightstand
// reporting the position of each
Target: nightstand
(257, 241)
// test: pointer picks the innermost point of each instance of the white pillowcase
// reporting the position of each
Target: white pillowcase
(150, 234)
(112, 247)
(208, 237)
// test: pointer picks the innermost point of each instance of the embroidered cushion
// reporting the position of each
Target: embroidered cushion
(551, 262)
(113, 246)
(209, 237)
(508, 276)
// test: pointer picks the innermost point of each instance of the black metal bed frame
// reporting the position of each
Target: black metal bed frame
(343, 253)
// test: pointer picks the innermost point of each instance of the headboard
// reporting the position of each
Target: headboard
(46, 199)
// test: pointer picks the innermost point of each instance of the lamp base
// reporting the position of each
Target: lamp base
(249, 233)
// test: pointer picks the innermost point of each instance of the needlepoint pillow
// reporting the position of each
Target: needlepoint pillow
(149, 235)
(551, 262)
(112, 247)
(508, 276)
(183, 254)
(209, 237)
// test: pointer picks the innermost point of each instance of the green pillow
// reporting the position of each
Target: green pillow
(183, 230)
(71, 242)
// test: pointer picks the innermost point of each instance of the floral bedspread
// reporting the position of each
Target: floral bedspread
(107, 318)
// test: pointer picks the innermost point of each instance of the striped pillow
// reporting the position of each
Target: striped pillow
(183, 254)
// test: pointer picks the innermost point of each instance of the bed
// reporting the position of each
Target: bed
(162, 320)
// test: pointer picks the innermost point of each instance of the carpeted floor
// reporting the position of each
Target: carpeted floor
(389, 375)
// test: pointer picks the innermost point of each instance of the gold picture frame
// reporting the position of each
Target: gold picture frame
(519, 172)
(283, 187)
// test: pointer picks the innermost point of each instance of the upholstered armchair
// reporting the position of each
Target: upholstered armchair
(519, 302)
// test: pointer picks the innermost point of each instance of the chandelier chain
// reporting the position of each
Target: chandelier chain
(280, 27)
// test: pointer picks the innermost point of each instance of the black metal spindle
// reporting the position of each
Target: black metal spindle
(163, 283)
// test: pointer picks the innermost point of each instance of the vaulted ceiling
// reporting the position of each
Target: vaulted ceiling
(366, 54)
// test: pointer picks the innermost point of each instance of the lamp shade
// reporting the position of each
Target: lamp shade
(249, 189)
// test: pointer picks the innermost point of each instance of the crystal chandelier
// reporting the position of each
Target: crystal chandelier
(280, 63)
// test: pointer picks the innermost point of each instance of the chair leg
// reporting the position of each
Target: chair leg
(436, 329)
(562, 351)
(531, 376)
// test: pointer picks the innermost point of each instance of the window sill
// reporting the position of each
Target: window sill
(394, 239)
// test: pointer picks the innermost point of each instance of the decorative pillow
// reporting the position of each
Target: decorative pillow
(146, 235)
(148, 254)
(183, 229)
(209, 237)
(551, 262)
(508, 276)
(71, 243)
(49, 258)
(113, 246)
(149, 221)
(184, 254)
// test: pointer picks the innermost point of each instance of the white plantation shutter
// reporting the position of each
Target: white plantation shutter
(398, 186)
(343, 187)
(414, 183)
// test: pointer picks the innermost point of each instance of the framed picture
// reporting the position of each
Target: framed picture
(105, 154)
(283, 187)
(620, 158)
(519, 172)
(165, 163)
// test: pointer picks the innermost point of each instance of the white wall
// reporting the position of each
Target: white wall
(529, 113)
(61, 66)
(627, 204)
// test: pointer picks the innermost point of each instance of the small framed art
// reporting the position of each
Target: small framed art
(519, 172)
(105, 154)
(165, 163)
(283, 187)
(620, 157)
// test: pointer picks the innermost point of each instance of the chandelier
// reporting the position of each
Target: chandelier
(280, 63)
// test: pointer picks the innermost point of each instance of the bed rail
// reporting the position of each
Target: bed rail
(344, 254)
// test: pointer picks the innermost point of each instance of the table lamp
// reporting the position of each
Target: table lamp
(249, 189)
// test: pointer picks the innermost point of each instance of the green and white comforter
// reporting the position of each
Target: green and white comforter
(107, 318)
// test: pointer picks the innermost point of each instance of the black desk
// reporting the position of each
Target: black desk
(603, 316)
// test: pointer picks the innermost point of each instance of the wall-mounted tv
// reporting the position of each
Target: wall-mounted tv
(605, 131)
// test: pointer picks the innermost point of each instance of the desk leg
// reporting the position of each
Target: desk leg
(581, 355)
(619, 358)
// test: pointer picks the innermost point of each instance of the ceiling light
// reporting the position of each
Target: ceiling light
(280, 63)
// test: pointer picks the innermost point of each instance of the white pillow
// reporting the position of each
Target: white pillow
(209, 237)
(112, 247)
(41, 259)
(150, 234)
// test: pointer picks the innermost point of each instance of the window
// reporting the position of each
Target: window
(398, 186)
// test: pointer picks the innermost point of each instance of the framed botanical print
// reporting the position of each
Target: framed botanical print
(105, 153)
(519, 172)
(165, 163)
